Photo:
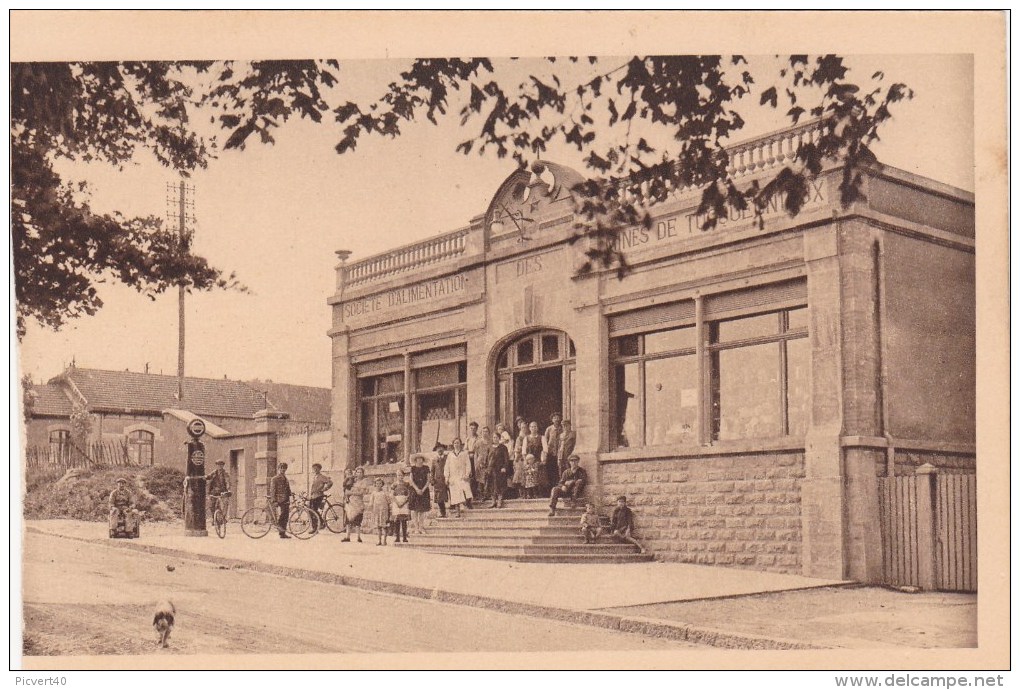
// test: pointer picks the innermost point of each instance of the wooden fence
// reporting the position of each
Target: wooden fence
(929, 530)
(67, 456)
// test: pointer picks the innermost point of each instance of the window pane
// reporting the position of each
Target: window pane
(798, 363)
(391, 429)
(550, 348)
(627, 346)
(749, 327)
(526, 351)
(437, 419)
(671, 401)
(627, 406)
(747, 392)
(674, 339)
(797, 319)
(368, 438)
(573, 351)
(390, 383)
(503, 363)
(442, 375)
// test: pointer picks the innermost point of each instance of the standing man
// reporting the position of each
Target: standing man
(483, 449)
(321, 483)
(217, 483)
(470, 445)
(279, 494)
(551, 448)
(568, 440)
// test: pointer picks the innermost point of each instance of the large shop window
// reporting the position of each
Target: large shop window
(756, 369)
(759, 376)
(430, 406)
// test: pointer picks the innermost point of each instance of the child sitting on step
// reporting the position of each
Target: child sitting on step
(590, 524)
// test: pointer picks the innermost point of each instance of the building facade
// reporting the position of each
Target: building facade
(745, 387)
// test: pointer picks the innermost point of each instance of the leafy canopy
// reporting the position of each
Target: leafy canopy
(647, 127)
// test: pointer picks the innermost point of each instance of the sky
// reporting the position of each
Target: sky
(277, 214)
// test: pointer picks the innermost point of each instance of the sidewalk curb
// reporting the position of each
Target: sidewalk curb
(628, 624)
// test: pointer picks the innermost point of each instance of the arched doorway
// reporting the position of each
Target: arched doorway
(535, 378)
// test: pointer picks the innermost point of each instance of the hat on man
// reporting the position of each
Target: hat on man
(121, 479)
(621, 498)
(573, 458)
(221, 462)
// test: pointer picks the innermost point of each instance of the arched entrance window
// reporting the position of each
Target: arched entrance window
(140, 447)
(535, 378)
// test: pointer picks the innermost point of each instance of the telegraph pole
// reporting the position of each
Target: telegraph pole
(182, 203)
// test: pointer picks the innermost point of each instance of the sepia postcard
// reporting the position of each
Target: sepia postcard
(509, 340)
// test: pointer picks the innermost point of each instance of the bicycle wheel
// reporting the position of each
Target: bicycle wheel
(300, 523)
(257, 522)
(220, 523)
(334, 518)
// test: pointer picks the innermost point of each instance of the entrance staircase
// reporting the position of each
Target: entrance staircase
(522, 531)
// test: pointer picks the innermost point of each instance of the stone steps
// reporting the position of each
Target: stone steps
(521, 531)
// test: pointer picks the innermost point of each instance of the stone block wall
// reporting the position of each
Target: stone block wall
(736, 511)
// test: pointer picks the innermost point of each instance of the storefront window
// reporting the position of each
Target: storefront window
(760, 375)
(382, 418)
(441, 405)
(656, 401)
(753, 380)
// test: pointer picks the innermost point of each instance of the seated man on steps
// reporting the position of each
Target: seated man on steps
(572, 483)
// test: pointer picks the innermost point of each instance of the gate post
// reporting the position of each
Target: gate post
(926, 548)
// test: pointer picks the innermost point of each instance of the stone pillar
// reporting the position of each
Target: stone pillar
(822, 501)
(267, 425)
(589, 331)
(862, 398)
(343, 413)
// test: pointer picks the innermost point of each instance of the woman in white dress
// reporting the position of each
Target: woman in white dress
(458, 475)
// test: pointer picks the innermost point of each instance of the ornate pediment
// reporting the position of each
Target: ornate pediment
(527, 198)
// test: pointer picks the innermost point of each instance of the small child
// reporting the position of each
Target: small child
(531, 470)
(590, 525)
(378, 506)
(400, 511)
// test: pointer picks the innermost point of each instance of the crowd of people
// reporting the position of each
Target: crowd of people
(488, 466)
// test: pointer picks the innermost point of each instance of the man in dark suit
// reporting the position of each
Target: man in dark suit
(279, 494)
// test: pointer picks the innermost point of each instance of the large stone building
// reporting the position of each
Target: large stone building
(746, 387)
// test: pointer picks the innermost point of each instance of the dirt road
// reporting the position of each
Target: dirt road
(82, 598)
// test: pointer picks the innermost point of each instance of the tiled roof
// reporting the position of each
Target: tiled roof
(135, 391)
(50, 400)
(302, 403)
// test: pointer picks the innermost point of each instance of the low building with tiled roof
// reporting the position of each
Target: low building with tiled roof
(140, 418)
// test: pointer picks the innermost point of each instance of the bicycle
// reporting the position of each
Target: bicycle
(258, 521)
(332, 515)
(219, 516)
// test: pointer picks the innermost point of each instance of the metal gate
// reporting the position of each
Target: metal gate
(929, 530)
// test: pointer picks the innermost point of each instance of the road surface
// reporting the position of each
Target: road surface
(85, 598)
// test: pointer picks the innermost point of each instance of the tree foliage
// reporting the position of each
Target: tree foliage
(616, 113)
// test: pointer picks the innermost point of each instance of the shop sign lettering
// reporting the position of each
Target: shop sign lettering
(690, 225)
(407, 296)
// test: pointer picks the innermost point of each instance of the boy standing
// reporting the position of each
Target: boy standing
(279, 493)
(321, 483)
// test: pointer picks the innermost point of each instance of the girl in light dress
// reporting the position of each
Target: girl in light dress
(533, 446)
(531, 470)
(377, 509)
